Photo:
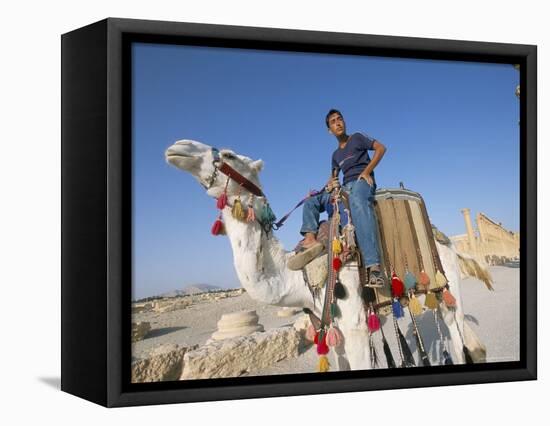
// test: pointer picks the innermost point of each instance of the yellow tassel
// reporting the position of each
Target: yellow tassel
(324, 365)
(414, 305)
(336, 246)
(431, 301)
(237, 211)
(440, 279)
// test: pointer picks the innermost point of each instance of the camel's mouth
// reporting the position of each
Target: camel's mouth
(180, 155)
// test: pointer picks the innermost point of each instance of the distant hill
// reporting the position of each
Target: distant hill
(191, 289)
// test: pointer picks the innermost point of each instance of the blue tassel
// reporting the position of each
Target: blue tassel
(397, 309)
(410, 280)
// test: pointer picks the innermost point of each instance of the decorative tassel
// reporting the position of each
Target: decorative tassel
(387, 352)
(250, 213)
(322, 348)
(414, 305)
(431, 301)
(408, 359)
(447, 360)
(339, 290)
(237, 211)
(349, 233)
(449, 299)
(336, 246)
(310, 333)
(410, 281)
(217, 228)
(334, 336)
(424, 279)
(397, 286)
(323, 365)
(404, 301)
(222, 201)
(440, 279)
(368, 295)
(336, 264)
(373, 354)
(397, 309)
(373, 322)
(266, 215)
(467, 355)
(334, 311)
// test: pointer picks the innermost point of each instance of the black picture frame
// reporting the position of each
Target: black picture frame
(96, 213)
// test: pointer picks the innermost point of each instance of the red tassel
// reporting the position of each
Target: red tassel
(217, 228)
(322, 347)
(449, 299)
(222, 201)
(397, 286)
(336, 264)
(373, 322)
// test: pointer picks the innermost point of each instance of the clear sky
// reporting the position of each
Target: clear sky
(451, 130)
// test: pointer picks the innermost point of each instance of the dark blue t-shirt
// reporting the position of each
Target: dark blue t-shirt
(354, 157)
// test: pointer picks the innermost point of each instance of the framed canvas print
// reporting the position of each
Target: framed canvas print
(254, 212)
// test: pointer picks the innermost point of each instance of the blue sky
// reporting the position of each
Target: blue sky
(451, 129)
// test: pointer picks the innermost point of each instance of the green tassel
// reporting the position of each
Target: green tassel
(334, 310)
(410, 281)
(266, 215)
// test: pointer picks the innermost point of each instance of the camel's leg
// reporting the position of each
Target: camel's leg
(353, 322)
(452, 322)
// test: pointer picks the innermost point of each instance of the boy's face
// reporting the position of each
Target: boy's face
(336, 124)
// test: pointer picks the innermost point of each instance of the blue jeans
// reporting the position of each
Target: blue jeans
(361, 198)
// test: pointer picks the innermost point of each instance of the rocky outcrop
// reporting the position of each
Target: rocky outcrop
(171, 305)
(140, 330)
(164, 363)
(236, 356)
(237, 324)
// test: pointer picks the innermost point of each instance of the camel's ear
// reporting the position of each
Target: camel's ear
(257, 165)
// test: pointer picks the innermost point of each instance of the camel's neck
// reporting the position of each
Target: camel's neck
(261, 265)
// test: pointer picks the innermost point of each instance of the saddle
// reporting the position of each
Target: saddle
(406, 242)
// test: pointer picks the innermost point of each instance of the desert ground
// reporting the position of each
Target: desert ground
(493, 315)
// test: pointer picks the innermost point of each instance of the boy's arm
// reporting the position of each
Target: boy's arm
(379, 151)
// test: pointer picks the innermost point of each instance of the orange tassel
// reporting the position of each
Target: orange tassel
(449, 299)
(424, 279)
(251, 215)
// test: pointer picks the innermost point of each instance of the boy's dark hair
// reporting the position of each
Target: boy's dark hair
(332, 111)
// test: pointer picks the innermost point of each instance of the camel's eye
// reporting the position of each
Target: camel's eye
(228, 156)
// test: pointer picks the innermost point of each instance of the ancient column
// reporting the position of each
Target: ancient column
(470, 231)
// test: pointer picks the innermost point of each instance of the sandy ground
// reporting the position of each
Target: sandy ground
(494, 316)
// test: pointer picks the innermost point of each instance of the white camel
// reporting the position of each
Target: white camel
(260, 262)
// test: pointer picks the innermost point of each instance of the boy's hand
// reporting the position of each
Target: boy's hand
(332, 183)
(367, 177)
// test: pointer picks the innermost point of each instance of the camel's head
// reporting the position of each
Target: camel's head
(198, 159)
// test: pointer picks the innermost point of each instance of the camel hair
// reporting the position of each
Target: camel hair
(260, 262)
